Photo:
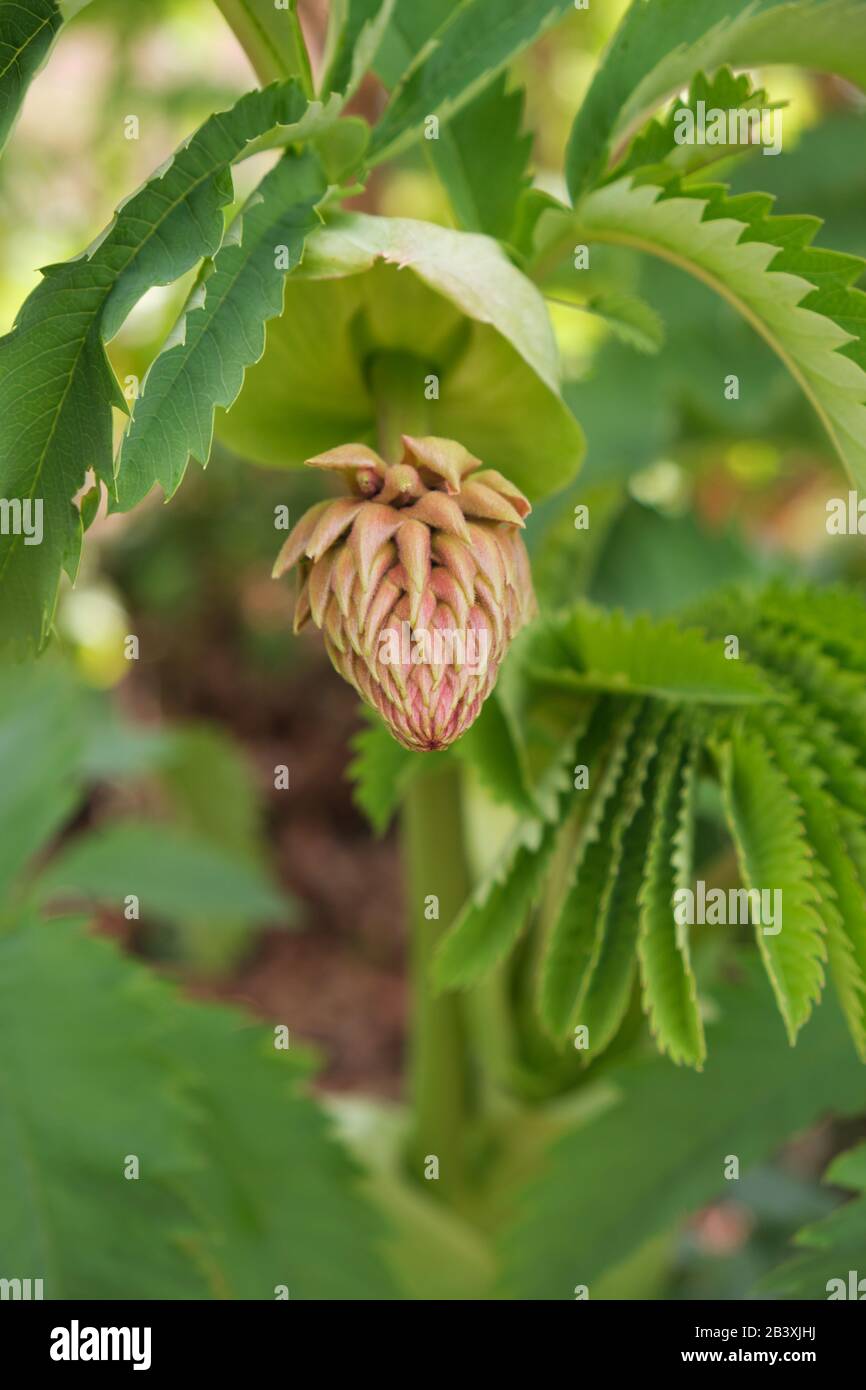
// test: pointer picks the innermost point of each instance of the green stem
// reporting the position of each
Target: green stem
(438, 879)
(438, 883)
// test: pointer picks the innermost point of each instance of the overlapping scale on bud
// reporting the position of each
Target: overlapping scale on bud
(418, 580)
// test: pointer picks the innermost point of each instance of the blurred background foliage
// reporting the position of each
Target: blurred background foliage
(173, 754)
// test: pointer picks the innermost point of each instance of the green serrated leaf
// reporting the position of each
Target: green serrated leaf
(657, 143)
(221, 333)
(86, 1083)
(497, 912)
(669, 988)
(766, 822)
(382, 770)
(658, 1152)
(842, 894)
(280, 1201)
(572, 949)
(797, 297)
(474, 43)
(661, 44)
(56, 385)
(637, 656)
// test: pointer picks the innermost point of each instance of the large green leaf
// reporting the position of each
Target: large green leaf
(365, 285)
(476, 41)
(798, 297)
(85, 1084)
(278, 1198)
(27, 30)
(830, 1249)
(221, 333)
(241, 1187)
(56, 386)
(662, 43)
(659, 1151)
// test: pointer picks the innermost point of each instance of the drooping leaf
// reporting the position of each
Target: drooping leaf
(659, 1151)
(660, 44)
(766, 823)
(221, 333)
(482, 159)
(669, 987)
(56, 385)
(834, 870)
(574, 944)
(477, 40)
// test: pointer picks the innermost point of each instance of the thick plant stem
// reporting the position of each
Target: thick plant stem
(437, 876)
(438, 883)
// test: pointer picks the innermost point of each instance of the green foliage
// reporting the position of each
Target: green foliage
(661, 44)
(355, 30)
(381, 771)
(27, 30)
(56, 385)
(221, 333)
(800, 298)
(481, 158)
(780, 728)
(272, 39)
(240, 1186)
(659, 1150)
(831, 1248)
(474, 43)
(174, 874)
(363, 287)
